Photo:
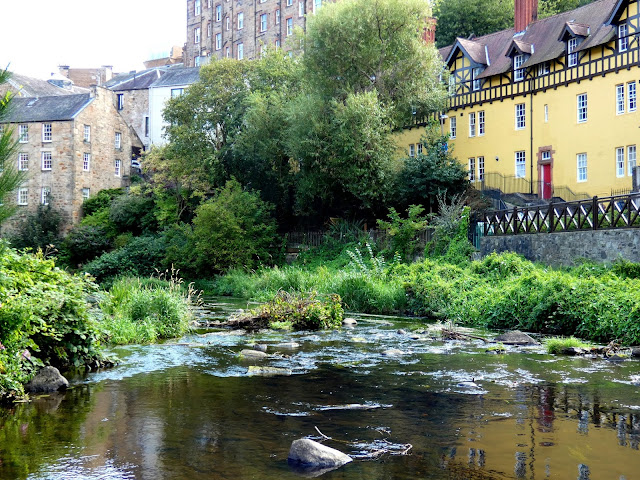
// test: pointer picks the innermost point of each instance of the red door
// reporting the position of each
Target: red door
(547, 190)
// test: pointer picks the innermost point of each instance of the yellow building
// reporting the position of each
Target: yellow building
(550, 106)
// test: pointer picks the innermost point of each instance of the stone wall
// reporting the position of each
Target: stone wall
(563, 248)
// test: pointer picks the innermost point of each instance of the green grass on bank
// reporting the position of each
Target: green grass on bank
(502, 291)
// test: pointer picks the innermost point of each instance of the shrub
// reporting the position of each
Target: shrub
(84, 243)
(557, 345)
(402, 233)
(44, 318)
(142, 256)
(133, 213)
(39, 230)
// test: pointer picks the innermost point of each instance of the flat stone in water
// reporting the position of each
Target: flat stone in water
(516, 337)
(268, 371)
(305, 452)
(349, 321)
(393, 352)
(287, 345)
(252, 354)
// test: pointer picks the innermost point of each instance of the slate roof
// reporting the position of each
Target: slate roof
(178, 76)
(544, 36)
(46, 109)
(135, 80)
(25, 86)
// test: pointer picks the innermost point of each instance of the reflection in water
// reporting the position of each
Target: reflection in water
(191, 411)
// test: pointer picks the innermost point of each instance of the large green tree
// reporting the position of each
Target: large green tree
(10, 178)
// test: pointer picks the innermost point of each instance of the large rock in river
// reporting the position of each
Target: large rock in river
(305, 453)
(47, 380)
(516, 337)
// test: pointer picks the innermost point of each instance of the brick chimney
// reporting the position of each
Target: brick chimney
(526, 11)
(429, 30)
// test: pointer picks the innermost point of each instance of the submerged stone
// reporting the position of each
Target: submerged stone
(47, 380)
(268, 371)
(287, 345)
(349, 321)
(393, 352)
(310, 454)
(252, 354)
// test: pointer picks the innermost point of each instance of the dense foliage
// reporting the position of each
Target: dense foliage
(301, 311)
(45, 318)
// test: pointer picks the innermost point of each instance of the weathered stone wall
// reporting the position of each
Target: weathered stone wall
(564, 248)
(67, 179)
(135, 111)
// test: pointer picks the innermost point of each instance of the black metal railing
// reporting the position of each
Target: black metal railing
(619, 211)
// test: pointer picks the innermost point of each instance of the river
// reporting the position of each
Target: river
(193, 409)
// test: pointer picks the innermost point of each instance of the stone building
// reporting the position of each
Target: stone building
(240, 28)
(86, 77)
(71, 146)
(132, 99)
(174, 58)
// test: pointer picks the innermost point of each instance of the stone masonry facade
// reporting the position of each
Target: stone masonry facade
(563, 248)
(68, 160)
(241, 28)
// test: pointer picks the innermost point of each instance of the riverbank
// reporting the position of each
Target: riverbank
(594, 302)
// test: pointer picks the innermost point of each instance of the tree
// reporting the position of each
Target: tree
(553, 7)
(463, 18)
(432, 174)
(367, 73)
(10, 178)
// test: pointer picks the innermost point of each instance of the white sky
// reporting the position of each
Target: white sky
(38, 35)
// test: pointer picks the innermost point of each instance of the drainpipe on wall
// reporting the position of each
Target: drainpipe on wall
(531, 131)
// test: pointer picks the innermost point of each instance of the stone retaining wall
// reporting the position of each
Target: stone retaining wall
(563, 248)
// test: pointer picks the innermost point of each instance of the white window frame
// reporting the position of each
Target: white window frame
(218, 41)
(240, 20)
(196, 35)
(176, 92)
(300, 8)
(317, 4)
(209, 30)
(23, 196)
(23, 133)
(581, 104)
(227, 52)
(545, 155)
(521, 164)
(518, 73)
(278, 16)
(453, 126)
(45, 195)
(631, 158)
(118, 141)
(23, 161)
(546, 113)
(620, 99)
(86, 193)
(581, 161)
(472, 124)
(480, 169)
(218, 13)
(572, 55)
(240, 51)
(521, 116)
(86, 162)
(289, 26)
(472, 169)
(228, 23)
(419, 148)
(619, 162)
(47, 132)
(632, 97)
(623, 39)
(412, 150)
(117, 167)
(477, 83)
(46, 160)
(197, 10)
(481, 123)
(120, 100)
(452, 84)
(263, 22)
(543, 69)
(289, 3)
(87, 133)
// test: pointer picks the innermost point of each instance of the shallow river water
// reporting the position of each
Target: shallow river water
(193, 409)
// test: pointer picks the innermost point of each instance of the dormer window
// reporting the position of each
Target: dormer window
(572, 55)
(477, 83)
(623, 39)
(518, 73)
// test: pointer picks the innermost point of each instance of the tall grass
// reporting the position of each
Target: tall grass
(146, 310)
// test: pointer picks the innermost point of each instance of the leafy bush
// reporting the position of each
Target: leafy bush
(143, 311)
(84, 243)
(39, 230)
(101, 201)
(44, 318)
(133, 213)
(233, 229)
(403, 233)
(142, 256)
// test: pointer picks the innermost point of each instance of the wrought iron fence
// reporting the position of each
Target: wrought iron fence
(619, 211)
(493, 182)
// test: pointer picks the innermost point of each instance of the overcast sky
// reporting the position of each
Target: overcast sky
(38, 35)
